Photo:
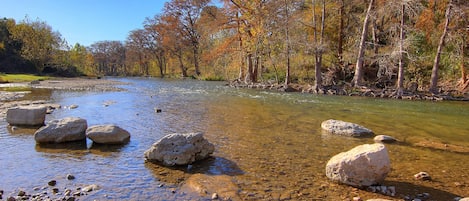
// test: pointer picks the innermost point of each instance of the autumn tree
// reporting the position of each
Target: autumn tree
(109, 57)
(436, 64)
(358, 77)
(186, 15)
(137, 51)
(38, 41)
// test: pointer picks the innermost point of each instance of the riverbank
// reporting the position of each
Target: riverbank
(410, 94)
(13, 92)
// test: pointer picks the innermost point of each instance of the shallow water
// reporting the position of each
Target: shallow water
(270, 143)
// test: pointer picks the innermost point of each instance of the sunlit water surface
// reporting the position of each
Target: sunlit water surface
(270, 143)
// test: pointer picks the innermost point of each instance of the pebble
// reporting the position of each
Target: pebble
(214, 196)
(357, 199)
(52, 183)
(21, 193)
(424, 176)
(70, 177)
(73, 106)
(55, 190)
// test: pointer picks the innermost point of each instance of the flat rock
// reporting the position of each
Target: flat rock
(62, 130)
(180, 149)
(343, 128)
(209, 185)
(107, 134)
(32, 115)
(364, 165)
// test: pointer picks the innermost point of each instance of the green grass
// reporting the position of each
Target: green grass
(9, 78)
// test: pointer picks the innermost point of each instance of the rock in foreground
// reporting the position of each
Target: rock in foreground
(62, 130)
(107, 134)
(180, 149)
(26, 116)
(364, 165)
(338, 127)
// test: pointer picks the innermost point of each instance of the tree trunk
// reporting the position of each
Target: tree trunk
(463, 69)
(242, 73)
(248, 78)
(357, 78)
(196, 59)
(400, 75)
(318, 49)
(340, 48)
(287, 44)
(441, 44)
(181, 65)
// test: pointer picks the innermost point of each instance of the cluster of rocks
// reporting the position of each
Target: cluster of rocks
(52, 192)
(365, 166)
(68, 129)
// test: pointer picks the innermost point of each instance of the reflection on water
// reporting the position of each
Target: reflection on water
(269, 143)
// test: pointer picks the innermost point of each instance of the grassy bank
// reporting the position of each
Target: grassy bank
(9, 78)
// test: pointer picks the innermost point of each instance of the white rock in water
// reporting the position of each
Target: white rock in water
(107, 134)
(338, 127)
(364, 165)
(26, 116)
(180, 149)
(62, 130)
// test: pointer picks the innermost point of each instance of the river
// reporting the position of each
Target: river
(269, 143)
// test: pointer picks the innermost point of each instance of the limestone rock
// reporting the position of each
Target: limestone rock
(62, 130)
(384, 139)
(107, 134)
(26, 116)
(464, 199)
(338, 127)
(364, 165)
(180, 149)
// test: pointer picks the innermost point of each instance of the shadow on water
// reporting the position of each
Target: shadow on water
(69, 147)
(211, 166)
(106, 149)
(416, 191)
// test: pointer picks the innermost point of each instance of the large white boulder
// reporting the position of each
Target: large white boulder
(180, 149)
(364, 165)
(62, 130)
(27, 115)
(107, 134)
(338, 127)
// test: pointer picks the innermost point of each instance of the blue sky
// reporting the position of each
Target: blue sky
(85, 21)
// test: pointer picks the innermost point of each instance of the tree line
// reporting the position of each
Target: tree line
(378, 43)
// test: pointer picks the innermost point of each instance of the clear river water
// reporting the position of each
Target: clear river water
(270, 144)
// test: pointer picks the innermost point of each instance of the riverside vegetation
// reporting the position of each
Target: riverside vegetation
(400, 47)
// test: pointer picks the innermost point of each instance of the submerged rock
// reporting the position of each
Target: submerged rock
(180, 149)
(364, 165)
(26, 116)
(338, 127)
(384, 139)
(211, 186)
(107, 134)
(62, 130)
